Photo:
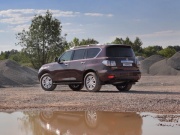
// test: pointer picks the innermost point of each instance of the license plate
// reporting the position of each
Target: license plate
(127, 64)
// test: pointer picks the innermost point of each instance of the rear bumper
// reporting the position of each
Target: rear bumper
(119, 76)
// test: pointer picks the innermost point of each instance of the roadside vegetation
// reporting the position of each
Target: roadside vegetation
(43, 42)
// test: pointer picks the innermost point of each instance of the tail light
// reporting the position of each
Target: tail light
(137, 62)
(111, 76)
(109, 63)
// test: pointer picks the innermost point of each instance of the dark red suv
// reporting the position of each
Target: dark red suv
(92, 66)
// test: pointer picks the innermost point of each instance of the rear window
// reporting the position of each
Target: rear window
(92, 52)
(119, 51)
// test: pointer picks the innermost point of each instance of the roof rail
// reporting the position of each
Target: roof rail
(85, 45)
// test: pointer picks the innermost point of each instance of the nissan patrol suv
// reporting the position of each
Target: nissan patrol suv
(92, 66)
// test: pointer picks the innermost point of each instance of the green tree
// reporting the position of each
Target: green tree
(151, 50)
(176, 47)
(7, 54)
(167, 52)
(21, 58)
(88, 41)
(43, 42)
(118, 41)
(127, 41)
(2, 57)
(137, 45)
(75, 41)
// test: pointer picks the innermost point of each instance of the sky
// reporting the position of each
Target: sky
(155, 22)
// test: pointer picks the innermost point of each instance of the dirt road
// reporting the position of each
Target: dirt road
(160, 94)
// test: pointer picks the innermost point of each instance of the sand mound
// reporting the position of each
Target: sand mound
(146, 63)
(13, 74)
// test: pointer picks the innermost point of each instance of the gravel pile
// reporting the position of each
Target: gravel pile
(157, 65)
(174, 61)
(148, 62)
(13, 74)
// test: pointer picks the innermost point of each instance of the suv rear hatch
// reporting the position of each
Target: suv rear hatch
(123, 56)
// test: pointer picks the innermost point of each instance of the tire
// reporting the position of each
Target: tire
(76, 87)
(47, 116)
(124, 87)
(47, 83)
(91, 119)
(92, 82)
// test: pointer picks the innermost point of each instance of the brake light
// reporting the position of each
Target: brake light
(109, 63)
(111, 76)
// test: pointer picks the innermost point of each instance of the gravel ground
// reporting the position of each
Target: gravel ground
(159, 94)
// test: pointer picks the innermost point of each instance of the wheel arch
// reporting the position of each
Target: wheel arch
(42, 73)
(87, 71)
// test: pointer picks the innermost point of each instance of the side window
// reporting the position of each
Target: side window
(79, 54)
(66, 56)
(92, 52)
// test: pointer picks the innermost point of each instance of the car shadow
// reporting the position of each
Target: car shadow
(153, 92)
(143, 92)
(127, 92)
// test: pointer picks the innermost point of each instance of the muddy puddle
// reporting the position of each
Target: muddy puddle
(88, 123)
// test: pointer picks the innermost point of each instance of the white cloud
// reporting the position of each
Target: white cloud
(19, 28)
(98, 14)
(16, 20)
(17, 16)
(1, 31)
(64, 13)
(161, 34)
(66, 24)
(20, 16)
(20, 12)
(93, 14)
(109, 15)
(74, 31)
(164, 38)
(163, 43)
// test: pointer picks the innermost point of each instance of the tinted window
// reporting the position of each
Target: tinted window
(66, 56)
(92, 52)
(119, 51)
(79, 54)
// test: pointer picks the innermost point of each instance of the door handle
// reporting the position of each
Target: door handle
(66, 64)
(82, 62)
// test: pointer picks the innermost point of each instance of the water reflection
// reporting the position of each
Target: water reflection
(83, 123)
(88, 123)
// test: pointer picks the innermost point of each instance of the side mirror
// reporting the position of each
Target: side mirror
(56, 59)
